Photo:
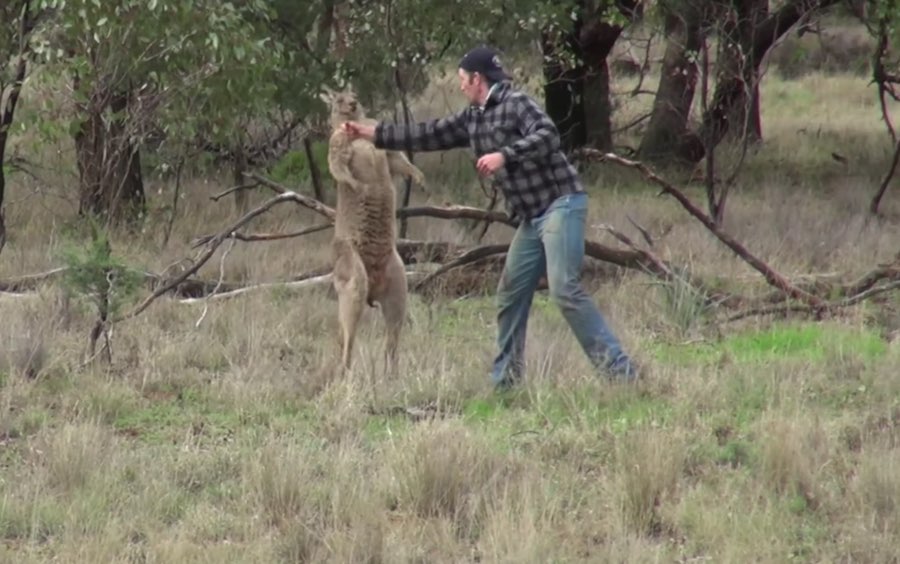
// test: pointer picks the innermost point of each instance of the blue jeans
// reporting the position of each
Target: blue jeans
(552, 243)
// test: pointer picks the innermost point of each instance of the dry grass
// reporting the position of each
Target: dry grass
(763, 441)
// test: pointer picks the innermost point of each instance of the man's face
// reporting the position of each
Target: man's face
(472, 85)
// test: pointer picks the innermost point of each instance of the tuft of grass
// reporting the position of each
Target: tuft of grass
(445, 471)
(74, 455)
(791, 456)
(649, 468)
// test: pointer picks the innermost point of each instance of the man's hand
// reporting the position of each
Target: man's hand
(357, 130)
(490, 163)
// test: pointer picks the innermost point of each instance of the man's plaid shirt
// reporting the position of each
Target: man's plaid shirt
(536, 171)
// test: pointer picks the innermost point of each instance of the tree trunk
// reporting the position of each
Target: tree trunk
(109, 165)
(597, 39)
(564, 87)
(598, 107)
(739, 33)
(8, 101)
(667, 137)
(730, 89)
(239, 167)
(577, 96)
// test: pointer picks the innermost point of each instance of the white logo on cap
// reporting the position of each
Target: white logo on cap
(496, 61)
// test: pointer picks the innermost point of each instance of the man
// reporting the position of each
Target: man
(518, 146)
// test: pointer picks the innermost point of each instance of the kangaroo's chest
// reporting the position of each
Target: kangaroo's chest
(368, 164)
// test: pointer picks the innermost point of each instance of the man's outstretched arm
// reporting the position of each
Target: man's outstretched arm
(435, 135)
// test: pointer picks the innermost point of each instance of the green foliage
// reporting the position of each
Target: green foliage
(403, 38)
(98, 277)
(293, 168)
(190, 67)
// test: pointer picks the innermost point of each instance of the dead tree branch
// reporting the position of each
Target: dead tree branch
(412, 251)
(806, 308)
(889, 271)
(658, 264)
(468, 257)
(306, 282)
(30, 281)
(211, 249)
(218, 285)
(253, 237)
(232, 190)
(876, 200)
(771, 276)
(305, 201)
(456, 212)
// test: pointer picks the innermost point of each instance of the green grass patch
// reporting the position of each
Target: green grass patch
(190, 413)
(293, 168)
(578, 408)
(380, 428)
(814, 342)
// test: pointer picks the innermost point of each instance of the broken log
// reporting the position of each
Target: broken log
(807, 308)
(255, 237)
(29, 282)
(311, 203)
(211, 249)
(468, 257)
(772, 276)
(305, 282)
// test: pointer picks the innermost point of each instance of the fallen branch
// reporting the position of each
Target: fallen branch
(311, 203)
(253, 237)
(806, 308)
(657, 263)
(888, 272)
(218, 284)
(455, 212)
(29, 281)
(311, 281)
(659, 268)
(771, 275)
(314, 281)
(468, 257)
(412, 251)
(627, 259)
(644, 233)
(233, 189)
(211, 249)
(16, 295)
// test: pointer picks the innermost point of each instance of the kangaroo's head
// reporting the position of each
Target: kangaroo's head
(344, 105)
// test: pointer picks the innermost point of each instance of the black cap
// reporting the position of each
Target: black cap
(485, 61)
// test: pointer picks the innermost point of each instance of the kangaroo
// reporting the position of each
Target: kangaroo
(367, 269)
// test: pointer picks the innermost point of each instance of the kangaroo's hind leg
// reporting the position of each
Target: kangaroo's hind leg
(393, 302)
(351, 284)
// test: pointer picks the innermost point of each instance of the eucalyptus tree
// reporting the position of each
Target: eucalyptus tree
(17, 20)
(144, 69)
